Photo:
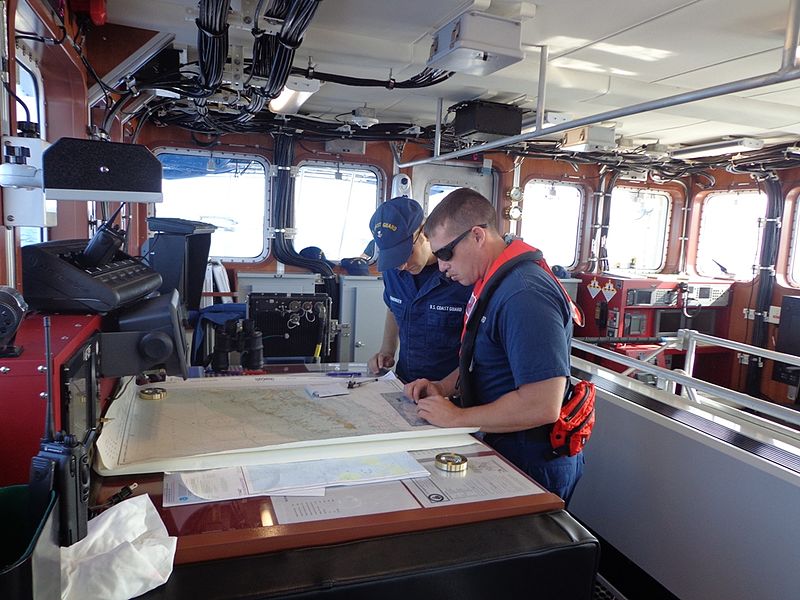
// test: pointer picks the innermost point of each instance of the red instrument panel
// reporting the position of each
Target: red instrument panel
(22, 381)
(619, 306)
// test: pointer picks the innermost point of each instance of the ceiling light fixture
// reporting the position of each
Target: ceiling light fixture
(718, 148)
(295, 92)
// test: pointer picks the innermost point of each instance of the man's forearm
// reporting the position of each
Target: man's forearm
(532, 405)
(391, 335)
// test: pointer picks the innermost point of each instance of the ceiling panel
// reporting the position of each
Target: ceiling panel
(604, 55)
(669, 45)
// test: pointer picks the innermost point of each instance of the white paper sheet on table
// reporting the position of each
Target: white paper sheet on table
(344, 502)
(486, 478)
(177, 494)
(287, 479)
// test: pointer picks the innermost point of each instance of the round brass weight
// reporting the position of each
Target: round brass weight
(451, 462)
(153, 393)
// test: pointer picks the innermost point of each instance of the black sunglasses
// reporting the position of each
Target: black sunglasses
(446, 252)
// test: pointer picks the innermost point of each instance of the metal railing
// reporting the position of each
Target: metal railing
(689, 340)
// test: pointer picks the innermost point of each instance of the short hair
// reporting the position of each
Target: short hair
(461, 209)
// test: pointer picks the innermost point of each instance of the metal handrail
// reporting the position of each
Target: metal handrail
(737, 398)
(690, 338)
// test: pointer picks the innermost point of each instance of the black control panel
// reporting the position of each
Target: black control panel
(56, 278)
(788, 341)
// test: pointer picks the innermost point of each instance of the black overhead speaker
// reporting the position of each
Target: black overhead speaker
(100, 171)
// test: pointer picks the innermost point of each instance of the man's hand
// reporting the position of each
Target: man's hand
(422, 388)
(438, 410)
(380, 361)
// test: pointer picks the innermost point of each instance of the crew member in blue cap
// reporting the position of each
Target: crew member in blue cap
(425, 310)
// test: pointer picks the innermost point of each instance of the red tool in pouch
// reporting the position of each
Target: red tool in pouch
(574, 425)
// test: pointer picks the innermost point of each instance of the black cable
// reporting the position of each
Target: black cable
(765, 279)
(283, 211)
(108, 120)
(19, 101)
(426, 78)
(33, 36)
(35, 90)
(144, 117)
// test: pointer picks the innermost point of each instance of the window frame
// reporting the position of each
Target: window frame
(267, 222)
(793, 260)
(667, 225)
(342, 166)
(703, 205)
(581, 214)
(454, 173)
(23, 55)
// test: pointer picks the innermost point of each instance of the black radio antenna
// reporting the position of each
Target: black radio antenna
(49, 434)
(110, 220)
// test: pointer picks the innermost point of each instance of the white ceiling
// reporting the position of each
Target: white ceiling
(603, 55)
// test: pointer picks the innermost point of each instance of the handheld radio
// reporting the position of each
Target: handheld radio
(105, 243)
(61, 464)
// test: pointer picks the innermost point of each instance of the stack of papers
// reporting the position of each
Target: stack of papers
(305, 478)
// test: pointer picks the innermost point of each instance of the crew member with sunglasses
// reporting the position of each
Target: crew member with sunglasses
(515, 352)
(425, 311)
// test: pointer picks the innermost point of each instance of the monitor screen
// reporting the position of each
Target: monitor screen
(668, 321)
(150, 336)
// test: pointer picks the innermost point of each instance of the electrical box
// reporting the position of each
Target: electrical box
(293, 326)
(476, 43)
(345, 146)
(592, 138)
(361, 307)
(485, 121)
(250, 282)
(26, 206)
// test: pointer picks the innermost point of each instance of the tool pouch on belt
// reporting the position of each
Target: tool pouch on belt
(574, 425)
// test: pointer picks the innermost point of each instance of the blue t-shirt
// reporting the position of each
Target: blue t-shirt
(524, 335)
(429, 310)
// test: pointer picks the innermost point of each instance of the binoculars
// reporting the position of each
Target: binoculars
(237, 335)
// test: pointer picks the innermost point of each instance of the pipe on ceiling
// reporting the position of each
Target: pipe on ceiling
(785, 73)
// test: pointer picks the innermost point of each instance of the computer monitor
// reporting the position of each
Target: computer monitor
(179, 253)
(150, 336)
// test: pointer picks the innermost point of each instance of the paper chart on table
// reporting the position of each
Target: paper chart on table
(255, 420)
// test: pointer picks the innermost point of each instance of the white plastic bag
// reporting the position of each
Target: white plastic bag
(125, 553)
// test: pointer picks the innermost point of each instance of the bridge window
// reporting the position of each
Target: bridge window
(729, 240)
(431, 183)
(551, 220)
(637, 229)
(223, 189)
(436, 193)
(794, 257)
(332, 207)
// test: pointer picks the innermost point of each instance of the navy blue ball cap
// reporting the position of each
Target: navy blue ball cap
(393, 227)
(355, 266)
(314, 253)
